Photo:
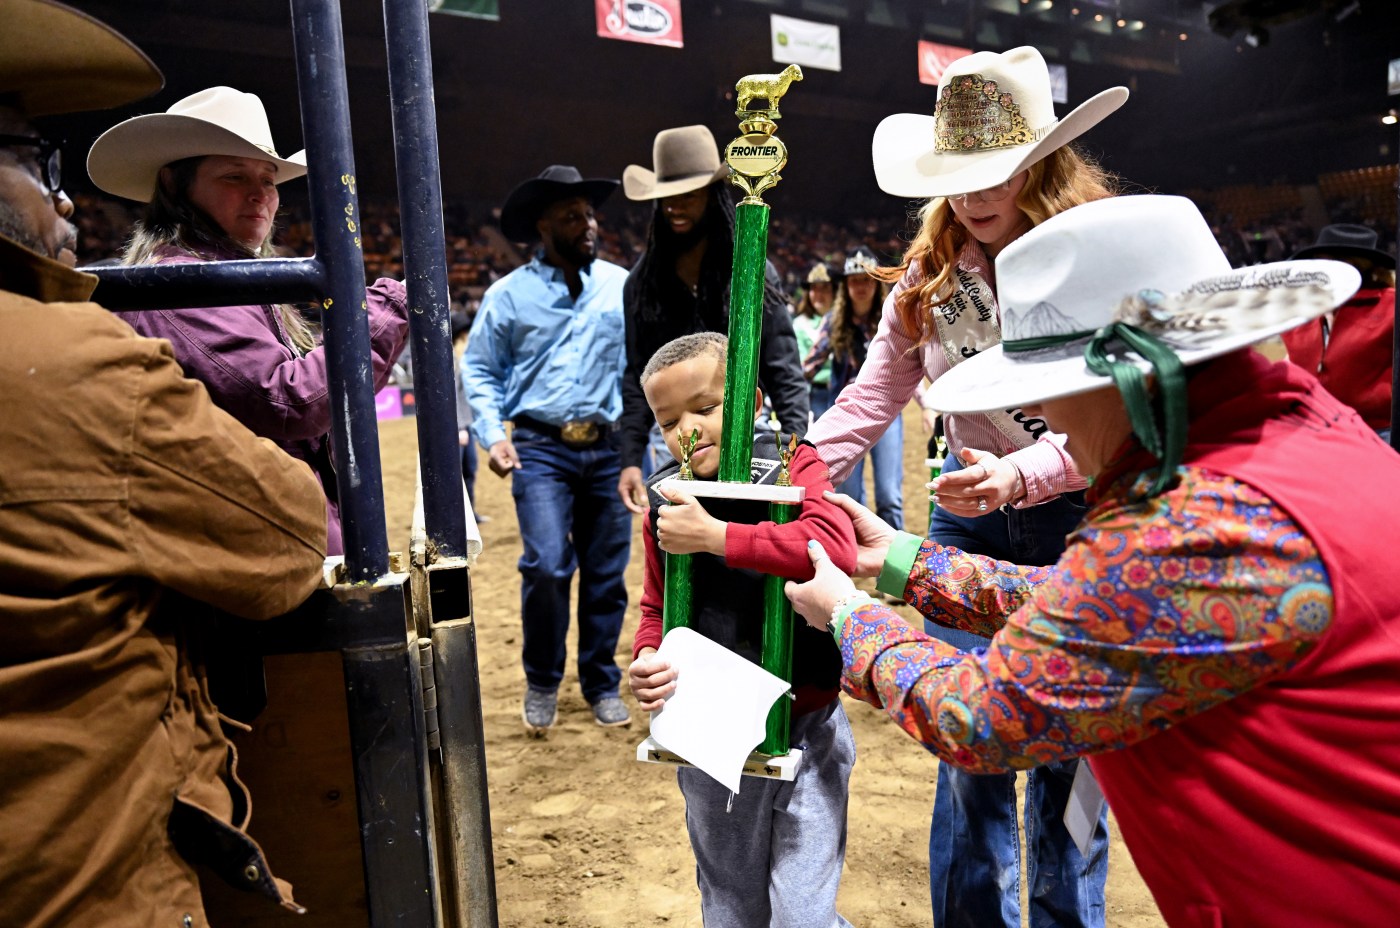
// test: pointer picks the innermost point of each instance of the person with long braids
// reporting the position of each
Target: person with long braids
(681, 286)
(991, 163)
(208, 173)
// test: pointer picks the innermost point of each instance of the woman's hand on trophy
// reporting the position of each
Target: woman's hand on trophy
(815, 599)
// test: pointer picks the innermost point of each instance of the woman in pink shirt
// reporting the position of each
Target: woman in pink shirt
(993, 162)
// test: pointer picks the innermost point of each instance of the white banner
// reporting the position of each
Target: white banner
(1393, 81)
(799, 41)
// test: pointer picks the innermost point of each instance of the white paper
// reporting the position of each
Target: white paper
(716, 716)
(1084, 807)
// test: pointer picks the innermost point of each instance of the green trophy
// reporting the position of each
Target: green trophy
(754, 158)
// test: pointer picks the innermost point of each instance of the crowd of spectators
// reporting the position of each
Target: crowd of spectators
(478, 254)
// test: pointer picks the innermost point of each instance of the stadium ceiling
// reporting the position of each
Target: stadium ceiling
(1257, 90)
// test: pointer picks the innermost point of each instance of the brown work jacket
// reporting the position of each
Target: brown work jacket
(127, 502)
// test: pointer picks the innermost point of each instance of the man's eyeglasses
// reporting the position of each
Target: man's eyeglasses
(990, 195)
(50, 158)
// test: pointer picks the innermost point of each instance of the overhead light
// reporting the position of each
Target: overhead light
(1390, 118)
(1258, 37)
(1122, 23)
(1182, 37)
(1098, 17)
(1136, 25)
(1074, 11)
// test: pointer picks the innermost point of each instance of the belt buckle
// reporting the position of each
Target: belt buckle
(578, 433)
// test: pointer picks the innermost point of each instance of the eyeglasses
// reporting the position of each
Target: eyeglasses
(50, 158)
(990, 195)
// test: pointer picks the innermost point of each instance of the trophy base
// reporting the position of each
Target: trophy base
(758, 765)
(716, 489)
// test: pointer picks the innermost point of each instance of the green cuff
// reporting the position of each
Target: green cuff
(899, 563)
(844, 607)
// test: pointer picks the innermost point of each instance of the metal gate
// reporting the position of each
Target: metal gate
(404, 631)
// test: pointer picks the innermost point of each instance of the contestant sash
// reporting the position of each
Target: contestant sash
(967, 323)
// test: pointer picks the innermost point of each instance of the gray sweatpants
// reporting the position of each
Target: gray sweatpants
(774, 860)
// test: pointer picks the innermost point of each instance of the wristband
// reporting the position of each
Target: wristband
(842, 608)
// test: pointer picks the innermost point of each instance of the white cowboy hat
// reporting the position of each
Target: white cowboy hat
(993, 119)
(685, 159)
(126, 159)
(1149, 263)
(56, 59)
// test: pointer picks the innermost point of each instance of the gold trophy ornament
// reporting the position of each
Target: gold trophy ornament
(687, 449)
(758, 155)
(785, 459)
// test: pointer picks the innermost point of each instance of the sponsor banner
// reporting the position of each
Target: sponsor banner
(655, 22)
(934, 60)
(1059, 83)
(800, 41)
(476, 9)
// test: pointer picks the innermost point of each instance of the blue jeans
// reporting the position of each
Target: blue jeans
(887, 457)
(820, 399)
(571, 519)
(774, 860)
(973, 851)
(469, 470)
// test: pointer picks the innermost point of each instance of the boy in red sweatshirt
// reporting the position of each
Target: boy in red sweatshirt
(775, 856)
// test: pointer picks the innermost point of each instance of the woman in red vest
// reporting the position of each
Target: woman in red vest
(1222, 634)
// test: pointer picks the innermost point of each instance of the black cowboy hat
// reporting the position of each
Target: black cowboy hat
(527, 202)
(1346, 239)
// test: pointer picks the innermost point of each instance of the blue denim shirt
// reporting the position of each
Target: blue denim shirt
(536, 351)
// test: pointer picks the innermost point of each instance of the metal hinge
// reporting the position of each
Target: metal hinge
(429, 681)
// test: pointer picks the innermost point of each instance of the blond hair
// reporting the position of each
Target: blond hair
(1062, 179)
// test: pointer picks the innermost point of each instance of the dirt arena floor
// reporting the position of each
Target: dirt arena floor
(585, 836)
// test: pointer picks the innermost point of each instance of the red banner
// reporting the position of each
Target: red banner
(656, 22)
(934, 60)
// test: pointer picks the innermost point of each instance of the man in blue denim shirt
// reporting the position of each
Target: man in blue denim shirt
(546, 353)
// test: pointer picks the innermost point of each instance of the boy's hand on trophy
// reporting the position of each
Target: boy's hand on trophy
(652, 680)
(684, 527)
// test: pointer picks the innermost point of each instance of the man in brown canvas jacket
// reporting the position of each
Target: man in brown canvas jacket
(124, 492)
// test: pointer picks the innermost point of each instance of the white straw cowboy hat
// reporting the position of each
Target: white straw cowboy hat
(55, 59)
(685, 159)
(993, 119)
(126, 159)
(1110, 291)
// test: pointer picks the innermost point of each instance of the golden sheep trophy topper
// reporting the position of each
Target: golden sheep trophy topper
(757, 155)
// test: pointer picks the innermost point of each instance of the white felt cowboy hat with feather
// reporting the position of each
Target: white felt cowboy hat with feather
(126, 159)
(1115, 277)
(994, 118)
